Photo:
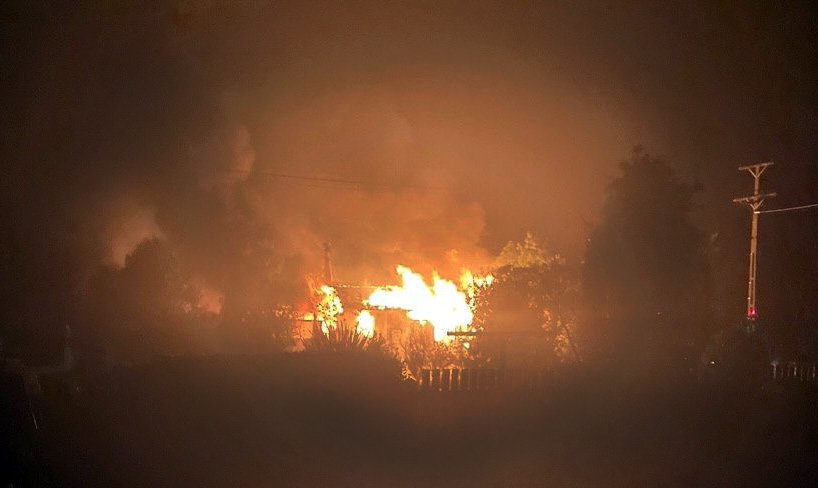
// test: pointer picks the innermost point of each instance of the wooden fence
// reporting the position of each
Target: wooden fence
(794, 371)
(485, 379)
(474, 379)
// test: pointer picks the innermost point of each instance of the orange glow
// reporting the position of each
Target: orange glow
(211, 301)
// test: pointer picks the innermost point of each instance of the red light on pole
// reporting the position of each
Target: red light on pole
(752, 314)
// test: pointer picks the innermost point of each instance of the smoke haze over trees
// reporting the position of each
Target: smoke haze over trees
(465, 124)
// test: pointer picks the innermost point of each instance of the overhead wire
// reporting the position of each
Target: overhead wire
(326, 179)
(335, 183)
(787, 209)
(358, 183)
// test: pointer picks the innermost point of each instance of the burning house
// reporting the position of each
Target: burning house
(413, 310)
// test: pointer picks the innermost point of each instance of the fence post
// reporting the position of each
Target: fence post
(426, 381)
(455, 380)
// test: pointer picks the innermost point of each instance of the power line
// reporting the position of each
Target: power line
(273, 174)
(353, 184)
(787, 209)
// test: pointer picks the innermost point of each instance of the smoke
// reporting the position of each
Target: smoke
(126, 225)
(453, 129)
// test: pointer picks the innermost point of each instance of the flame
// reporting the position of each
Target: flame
(442, 304)
(472, 284)
(328, 308)
(366, 323)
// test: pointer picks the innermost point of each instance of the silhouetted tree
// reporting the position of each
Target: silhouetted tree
(147, 308)
(525, 316)
(645, 278)
(254, 317)
(38, 286)
(734, 356)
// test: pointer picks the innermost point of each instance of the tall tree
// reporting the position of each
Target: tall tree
(646, 278)
(525, 316)
(147, 308)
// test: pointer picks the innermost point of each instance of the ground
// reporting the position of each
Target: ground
(259, 422)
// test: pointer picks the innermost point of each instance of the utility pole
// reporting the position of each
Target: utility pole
(754, 202)
(327, 271)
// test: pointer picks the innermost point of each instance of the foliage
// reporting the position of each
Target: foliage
(646, 278)
(255, 329)
(734, 356)
(344, 338)
(150, 307)
(253, 319)
(353, 349)
(526, 254)
(422, 351)
(525, 316)
(147, 308)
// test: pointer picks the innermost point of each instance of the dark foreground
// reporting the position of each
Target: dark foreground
(312, 421)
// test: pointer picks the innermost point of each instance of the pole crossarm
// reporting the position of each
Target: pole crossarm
(756, 169)
(754, 199)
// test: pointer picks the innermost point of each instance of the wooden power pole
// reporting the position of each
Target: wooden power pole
(327, 271)
(754, 202)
